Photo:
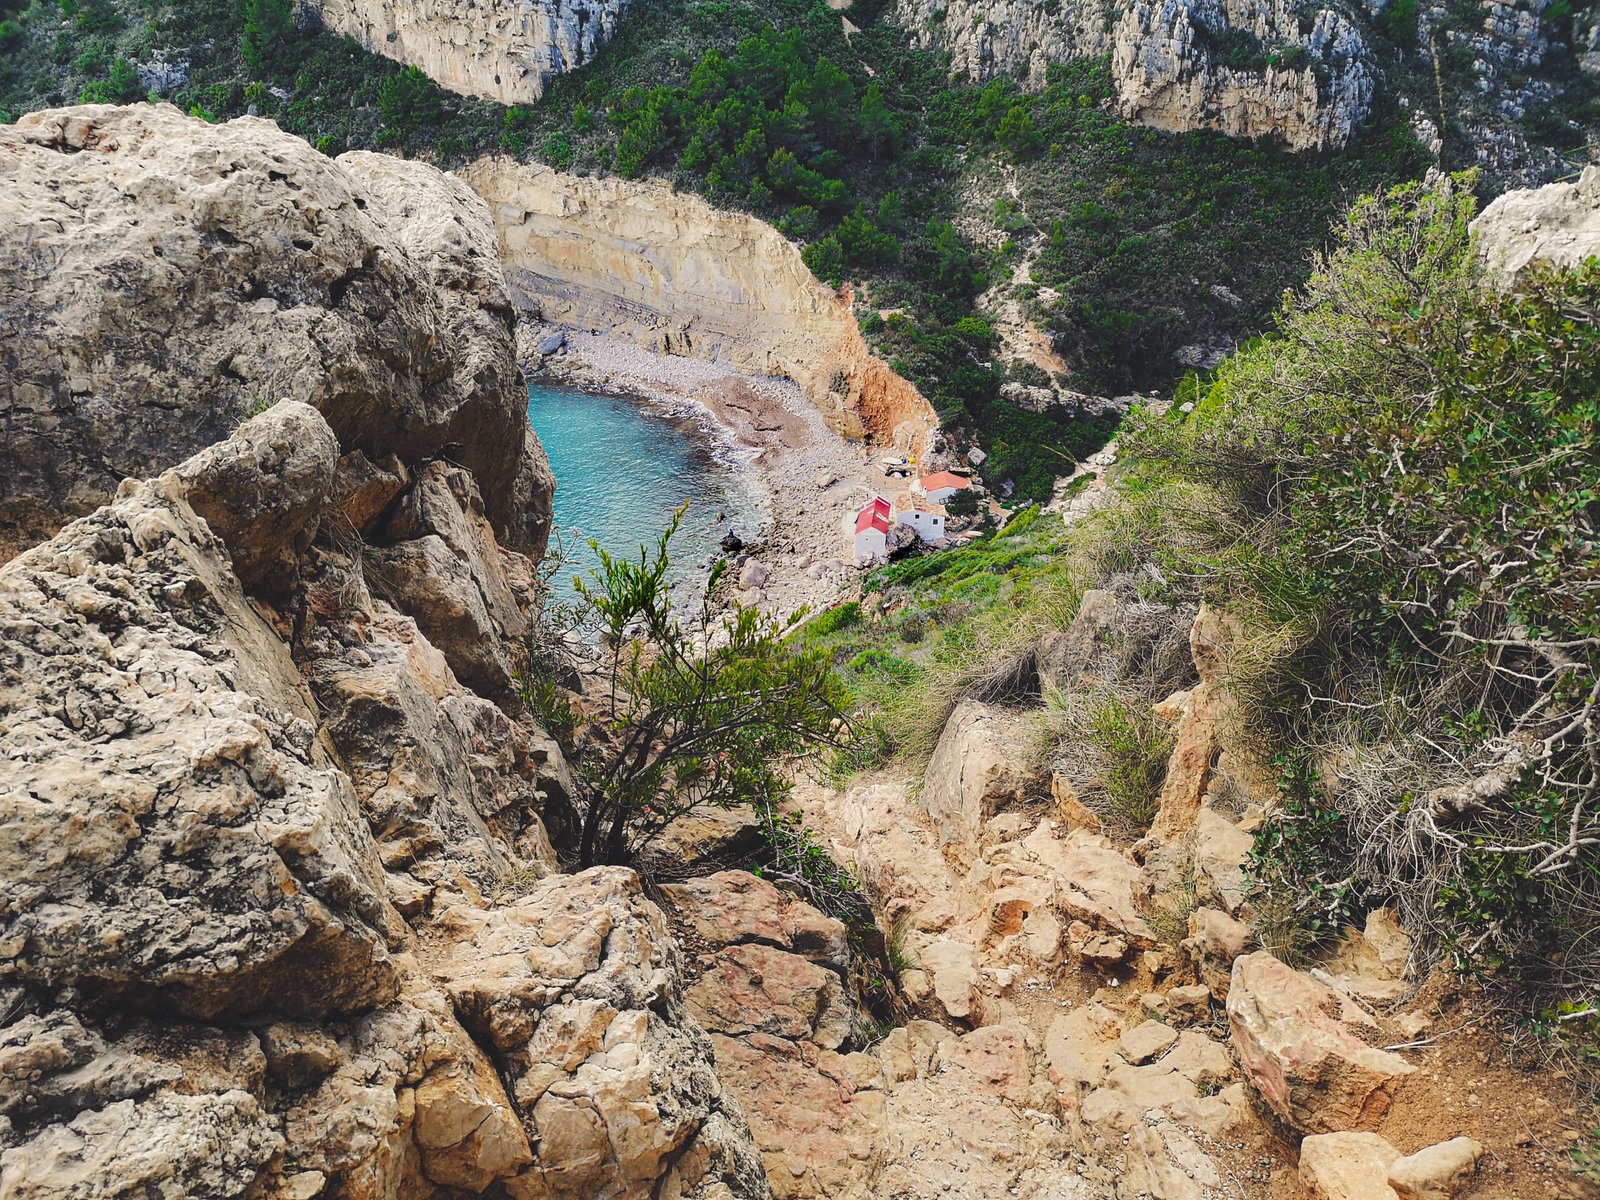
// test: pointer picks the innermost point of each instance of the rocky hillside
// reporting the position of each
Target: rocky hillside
(1309, 76)
(500, 51)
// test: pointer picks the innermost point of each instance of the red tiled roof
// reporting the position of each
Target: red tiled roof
(874, 516)
(944, 479)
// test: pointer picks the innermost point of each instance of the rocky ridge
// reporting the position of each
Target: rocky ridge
(284, 919)
(1308, 78)
(1169, 63)
(497, 50)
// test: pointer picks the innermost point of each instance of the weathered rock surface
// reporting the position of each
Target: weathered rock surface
(574, 989)
(1436, 1172)
(178, 837)
(1168, 61)
(165, 276)
(245, 948)
(1298, 1049)
(1171, 70)
(1558, 223)
(505, 50)
(1347, 1166)
(976, 770)
(263, 491)
(670, 272)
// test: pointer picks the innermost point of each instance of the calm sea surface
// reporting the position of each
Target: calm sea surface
(621, 469)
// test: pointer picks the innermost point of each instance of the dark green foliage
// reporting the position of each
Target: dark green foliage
(122, 86)
(835, 619)
(1413, 458)
(267, 26)
(409, 99)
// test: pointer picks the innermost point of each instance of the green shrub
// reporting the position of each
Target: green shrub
(1410, 464)
(839, 617)
(1132, 748)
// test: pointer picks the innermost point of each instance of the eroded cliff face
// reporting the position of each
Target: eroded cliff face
(505, 50)
(1303, 75)
(1170, 59)
(166, 277)
(668, 271)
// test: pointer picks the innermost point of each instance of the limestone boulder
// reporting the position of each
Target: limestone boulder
(1221, 854)
(1347, 1166)
(1436, 1172)
(178, 839)
(1063, 657)
(1215, 941)
(263, 491)
(734, 907)
(1299, 1050)
(975, 771)
(748, 988)
(171, 1145)
(574, 990)
(447, 570)
(1558, 223)
(166, 276)
(449, 784)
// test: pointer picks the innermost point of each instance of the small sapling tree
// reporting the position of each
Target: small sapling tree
(704, 713)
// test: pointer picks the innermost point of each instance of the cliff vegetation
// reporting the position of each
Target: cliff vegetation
(1392, 496)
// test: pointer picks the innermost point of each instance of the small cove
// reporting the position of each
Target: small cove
(622, 466)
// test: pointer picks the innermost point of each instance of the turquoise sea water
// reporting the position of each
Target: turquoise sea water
(622, 468)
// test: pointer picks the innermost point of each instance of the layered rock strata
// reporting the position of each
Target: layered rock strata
(668, 271)
(505, 50)
(165, 277)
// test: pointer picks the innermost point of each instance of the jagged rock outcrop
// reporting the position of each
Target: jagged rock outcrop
(163, 764)
(164, 277)
(505, 50)
(1176, 67)
(1297, 1042)
(1558, 223)
(665, 269)
(1248, 68)
(251, 944)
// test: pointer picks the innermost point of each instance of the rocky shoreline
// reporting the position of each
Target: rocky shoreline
(809, 480)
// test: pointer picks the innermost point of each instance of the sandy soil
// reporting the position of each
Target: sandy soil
(811, 480)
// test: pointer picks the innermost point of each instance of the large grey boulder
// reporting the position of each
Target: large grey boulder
(177, 838)
(163, 277)
(1558, 223)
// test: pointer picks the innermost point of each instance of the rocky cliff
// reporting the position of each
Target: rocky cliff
(667, 270)
(505, 50)
(281, 916)
(1248, 68)
(167, 277)
(1305, 75)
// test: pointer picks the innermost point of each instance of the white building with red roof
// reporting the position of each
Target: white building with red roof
(941, 485)
(872, 529)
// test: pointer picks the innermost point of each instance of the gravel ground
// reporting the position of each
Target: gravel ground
(811, 482)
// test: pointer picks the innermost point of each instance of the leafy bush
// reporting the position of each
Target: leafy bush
(1411, 459)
